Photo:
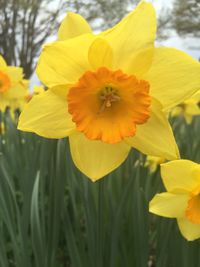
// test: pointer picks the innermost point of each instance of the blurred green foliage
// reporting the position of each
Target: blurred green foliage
(53, 216)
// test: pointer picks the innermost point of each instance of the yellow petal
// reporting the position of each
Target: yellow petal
(2, 62)
(180, 175)
(188, 118)
(196, 97)
(38, 89)
(100, 54)
(188, 229)
(176, 111)
(64, 62)
(192, 109)
(169, 205)
(61, 90)
(16, 91)
(153, 162)
(135, 32)
(73, 25)
(46, 115)
(15, 74)
(95, 158)
(140, 62)
(155, 137)
(173, 76)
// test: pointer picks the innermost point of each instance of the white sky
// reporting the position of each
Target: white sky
(185, 44)
(158, 4)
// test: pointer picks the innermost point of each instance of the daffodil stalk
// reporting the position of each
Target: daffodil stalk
(100, 222)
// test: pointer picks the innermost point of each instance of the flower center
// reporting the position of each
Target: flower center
(107, 105)
(4, 82)
(193, 208)
(108, 95)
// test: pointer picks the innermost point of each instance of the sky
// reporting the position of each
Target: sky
(158, 4)
(184, 44)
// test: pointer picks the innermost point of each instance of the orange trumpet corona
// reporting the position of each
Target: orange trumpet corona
(107, 105)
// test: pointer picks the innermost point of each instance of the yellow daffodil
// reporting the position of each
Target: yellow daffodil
(12, 86)
(153, 162)
(189, 108)
(107, 92)
(182, 199)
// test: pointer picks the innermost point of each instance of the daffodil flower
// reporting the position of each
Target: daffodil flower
(107, 92)
(182, 199)
(153, 162)
(12, 86)
(188, 109)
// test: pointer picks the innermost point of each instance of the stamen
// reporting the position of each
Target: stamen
(108, 96)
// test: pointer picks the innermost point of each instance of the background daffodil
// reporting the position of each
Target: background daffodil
(107, 92)
(13, 88)
(153, 162)
(182, 199)
(188, 109)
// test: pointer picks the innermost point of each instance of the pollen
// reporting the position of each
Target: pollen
(193, 207)
(4, 82)
(107, 105)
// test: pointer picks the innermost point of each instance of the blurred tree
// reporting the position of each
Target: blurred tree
(24, 26)
(164, 24)
(186, 19)
(102, 13)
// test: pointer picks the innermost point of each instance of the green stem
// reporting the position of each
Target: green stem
(100, 223)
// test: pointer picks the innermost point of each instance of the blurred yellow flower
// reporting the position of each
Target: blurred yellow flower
(182, 199)
(37, 89)
(107, 92)
(189, 108)
(13, 88)
(153, 162)
(2, 128)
